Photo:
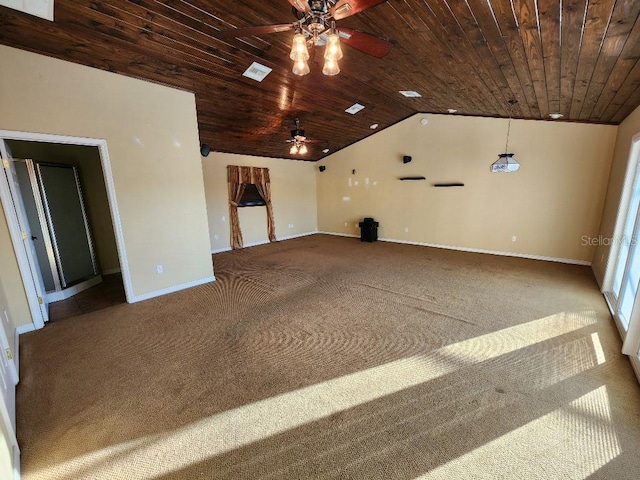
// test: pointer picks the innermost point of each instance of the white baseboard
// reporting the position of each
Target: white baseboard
(340, 234)
(111, 271)
(635, 363)
(297, 235)
(29, 327)
(73, 290)
(264, 242)
(176, 288)
(475, 250)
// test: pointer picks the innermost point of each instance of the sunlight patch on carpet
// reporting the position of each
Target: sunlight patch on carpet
(160, 454)
(572, 442)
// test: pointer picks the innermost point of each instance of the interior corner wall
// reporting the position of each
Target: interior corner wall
(152, 139)
(626, 131)
(293, 195)
(552, 206)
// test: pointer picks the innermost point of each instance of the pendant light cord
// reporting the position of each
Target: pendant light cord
(512, 102)
(506, 145)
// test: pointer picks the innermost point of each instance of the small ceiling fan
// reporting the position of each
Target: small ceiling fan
(315, 18)
(299, 140)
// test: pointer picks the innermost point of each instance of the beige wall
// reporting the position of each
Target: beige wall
(293, 194)
(554, 199)
(626, 130)
(152, 137)
(87, 159)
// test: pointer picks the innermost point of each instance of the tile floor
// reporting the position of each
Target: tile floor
(109, 292)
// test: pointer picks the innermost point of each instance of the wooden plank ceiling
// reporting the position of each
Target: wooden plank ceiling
(580, 58)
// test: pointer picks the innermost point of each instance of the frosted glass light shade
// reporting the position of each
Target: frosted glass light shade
(331, 67)
(301, 67)
(299, 49)
(505, 163)
(333, 50)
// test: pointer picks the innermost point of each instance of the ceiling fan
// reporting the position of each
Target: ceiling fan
(299, 140)
(316, 18)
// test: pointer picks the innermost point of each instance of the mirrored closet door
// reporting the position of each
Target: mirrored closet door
(54, 205)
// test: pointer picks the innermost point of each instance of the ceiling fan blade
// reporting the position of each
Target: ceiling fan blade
(346, 8)
(255, 31)
(365, 42)
(300, 5)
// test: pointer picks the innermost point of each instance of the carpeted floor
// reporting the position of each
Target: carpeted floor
(324, 357)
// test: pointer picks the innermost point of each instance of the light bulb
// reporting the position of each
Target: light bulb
(294, 149)
(303, 149)
(333, 50)
(299, 48)
(301, 67)
(331, 67)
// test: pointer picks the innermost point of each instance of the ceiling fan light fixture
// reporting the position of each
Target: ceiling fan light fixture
(294, 149)
(303, 149)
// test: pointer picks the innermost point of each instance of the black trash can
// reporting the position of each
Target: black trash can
(368, 230)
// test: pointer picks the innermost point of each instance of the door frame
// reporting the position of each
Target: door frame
(14, 230)
(17, 223)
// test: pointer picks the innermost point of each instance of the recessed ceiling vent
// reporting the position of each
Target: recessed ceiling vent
(355, 108)
(257, 72)
(410, 93)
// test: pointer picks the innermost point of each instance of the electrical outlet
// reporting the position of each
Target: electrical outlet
(159, 269)
(346, 224)
(216, 237)
(406, 229)
(514, 238)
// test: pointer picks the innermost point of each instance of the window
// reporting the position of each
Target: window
(622, 280)
(251, 197)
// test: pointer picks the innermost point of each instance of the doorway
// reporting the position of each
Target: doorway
(93, 174)
(57, 217)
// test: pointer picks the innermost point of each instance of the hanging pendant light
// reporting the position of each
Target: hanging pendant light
(506, 162)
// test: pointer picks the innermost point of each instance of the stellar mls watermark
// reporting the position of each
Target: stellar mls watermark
(587, 241)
